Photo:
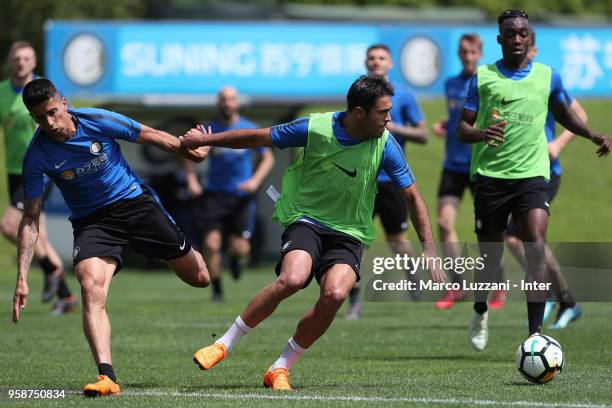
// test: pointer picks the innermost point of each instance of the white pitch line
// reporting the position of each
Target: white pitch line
(293, 397)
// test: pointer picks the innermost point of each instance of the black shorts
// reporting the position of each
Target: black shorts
(495, 199)
(16, 196)
(392, 208)
(453, 183)
(551, 189)
(140, 222)
(326, 248)
(228, 213)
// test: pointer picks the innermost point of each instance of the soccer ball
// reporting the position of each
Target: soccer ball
(539, 358)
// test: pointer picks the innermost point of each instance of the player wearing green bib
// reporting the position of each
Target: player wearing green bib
(326, 206)
(504, 118)
(18, 128)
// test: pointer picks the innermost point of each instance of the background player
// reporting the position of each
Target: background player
(407, 123)
(326, 206)
(228, 205)
(456, 168)
(569, 310)
(109, 208)
(18, 128)
(510, 165)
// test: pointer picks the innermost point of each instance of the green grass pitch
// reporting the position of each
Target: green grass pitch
(398, 354)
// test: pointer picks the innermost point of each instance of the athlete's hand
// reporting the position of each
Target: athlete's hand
(249, 186)
(439, 128)
(603, 141)
(194, 188)
(193, 138)
(20, 298)
(195, 154)
(554, 150)
(391, 127)
(494, 134)
(429, 251)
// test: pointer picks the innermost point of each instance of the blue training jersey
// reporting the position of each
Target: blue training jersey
(89, 168)
(458, 155)
(405, 110)
(228, 168)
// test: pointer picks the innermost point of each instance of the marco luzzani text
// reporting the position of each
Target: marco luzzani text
(458, 265)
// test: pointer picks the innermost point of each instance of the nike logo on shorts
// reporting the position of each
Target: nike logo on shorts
(346, 171)
(182, 246)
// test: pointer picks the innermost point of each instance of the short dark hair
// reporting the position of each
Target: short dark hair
(366, 90)
(512, 13)
(378, 46)
(38, 91)
(472, 38)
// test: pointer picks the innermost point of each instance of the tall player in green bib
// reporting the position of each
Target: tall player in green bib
(504, 117)
(326, 207)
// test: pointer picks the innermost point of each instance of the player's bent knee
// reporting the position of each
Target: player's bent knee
(212, 242)
(334, 295)
(288, 284)
(445, 225)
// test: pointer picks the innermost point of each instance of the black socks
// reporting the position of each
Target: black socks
(107, 370)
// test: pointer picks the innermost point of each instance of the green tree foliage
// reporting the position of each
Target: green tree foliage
(25, 19)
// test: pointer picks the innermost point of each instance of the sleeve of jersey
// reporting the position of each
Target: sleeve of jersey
(557, 90)
(395, 165)
(292, 134)
(119, 126)
(472, 101)
(413, 111)
(32, 176)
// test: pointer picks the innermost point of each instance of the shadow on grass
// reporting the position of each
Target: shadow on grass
(438, 358)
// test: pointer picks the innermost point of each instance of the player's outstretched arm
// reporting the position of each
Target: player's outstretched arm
(568, 118)
(26, 242)
(414, 134)
(556, 146)
(419, 216)
(234, 139)
(170, 143)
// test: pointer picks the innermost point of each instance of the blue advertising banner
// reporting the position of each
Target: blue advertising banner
(290, 61)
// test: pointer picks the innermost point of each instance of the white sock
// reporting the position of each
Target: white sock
(234, 333)
(289, 356)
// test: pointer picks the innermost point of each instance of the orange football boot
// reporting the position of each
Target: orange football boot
(277, 379)
(207, 357)
(104, 386)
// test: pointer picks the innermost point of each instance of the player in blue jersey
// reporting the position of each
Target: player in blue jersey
(332, 182)
(407, 124)
(569, 310)
(18, 128)
(110, 208)
(456, 168)
(227, 202)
